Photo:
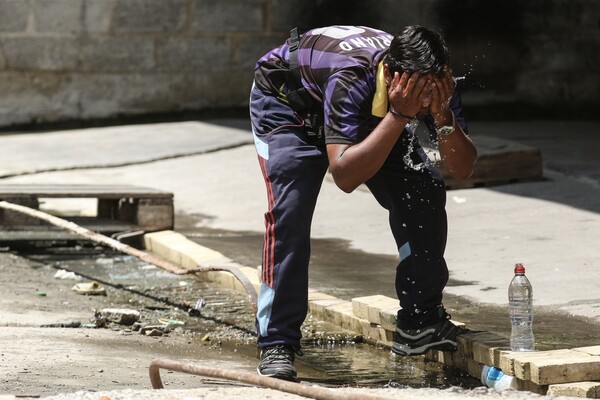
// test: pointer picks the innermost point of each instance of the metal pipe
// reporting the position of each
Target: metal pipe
(124, 248)
(241, 277)
(311, 392)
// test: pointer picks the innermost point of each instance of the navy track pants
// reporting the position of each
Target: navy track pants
(293, 170)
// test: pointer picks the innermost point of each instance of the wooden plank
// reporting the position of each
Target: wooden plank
(370, 307)
(388, 317)
(470, 343)
(573, 367)
(588, 390)
(96, 224)
(155, 213)
(144, 208)
(552, 366)
(531, 387)
(360, 305)
(488, 352)
(79, 190)
(591, 350)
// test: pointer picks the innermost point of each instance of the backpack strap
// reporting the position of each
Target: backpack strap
(294, 44)
(300, 99)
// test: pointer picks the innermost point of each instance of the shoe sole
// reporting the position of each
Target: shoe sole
(403, 350)
(284, 377)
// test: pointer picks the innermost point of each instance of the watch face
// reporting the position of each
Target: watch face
(445, 130)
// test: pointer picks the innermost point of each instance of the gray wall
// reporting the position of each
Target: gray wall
(91, 59)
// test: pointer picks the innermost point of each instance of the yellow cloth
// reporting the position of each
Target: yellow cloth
(380, 101)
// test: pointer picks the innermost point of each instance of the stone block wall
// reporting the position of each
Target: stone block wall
(91, 59)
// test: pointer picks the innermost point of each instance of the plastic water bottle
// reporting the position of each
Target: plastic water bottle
(494, 378)
(520, 303)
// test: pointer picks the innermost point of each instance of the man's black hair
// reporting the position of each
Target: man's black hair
(417, 49)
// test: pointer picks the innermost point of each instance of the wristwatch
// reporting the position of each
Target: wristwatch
(446, 129)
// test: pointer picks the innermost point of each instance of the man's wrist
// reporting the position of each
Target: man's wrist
(446, 128)
(399, 114)
(445, 119)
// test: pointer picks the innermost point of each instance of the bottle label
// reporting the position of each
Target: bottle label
(494, 374)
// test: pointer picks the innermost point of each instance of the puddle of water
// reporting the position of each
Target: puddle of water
(332, 356)
(368, 366)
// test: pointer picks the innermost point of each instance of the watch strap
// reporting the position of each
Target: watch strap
(446, 130)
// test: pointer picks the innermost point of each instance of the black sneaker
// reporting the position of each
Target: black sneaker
(441, 336)
(278, 362)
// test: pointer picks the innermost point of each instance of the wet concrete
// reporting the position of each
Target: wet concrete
(332, 356)
(159, 294)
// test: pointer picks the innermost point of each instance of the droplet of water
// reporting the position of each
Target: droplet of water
(411, 127)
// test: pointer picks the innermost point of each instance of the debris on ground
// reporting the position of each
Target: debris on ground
(66, 324)
(121, 316)
(64, 274)
(89, 288)
(171, 323)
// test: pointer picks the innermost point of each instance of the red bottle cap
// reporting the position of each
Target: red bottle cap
(519, 269)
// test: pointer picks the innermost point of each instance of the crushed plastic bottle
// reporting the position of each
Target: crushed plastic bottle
(494, 378)
(520, 303)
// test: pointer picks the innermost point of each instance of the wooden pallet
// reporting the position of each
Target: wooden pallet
(499, 162)
(119, 208)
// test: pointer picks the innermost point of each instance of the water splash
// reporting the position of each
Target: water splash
(477, 61)
(413, 124)
(408, 161)
(412, 128)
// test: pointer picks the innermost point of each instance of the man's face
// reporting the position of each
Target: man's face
(426, 105)
(428, 99)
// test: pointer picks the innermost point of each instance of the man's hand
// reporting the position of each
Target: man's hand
(407, 93)
(457, 151)
(443, 88)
